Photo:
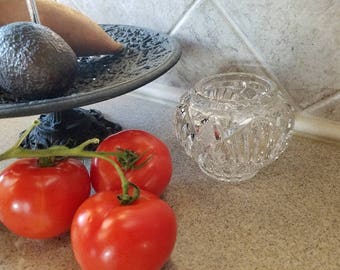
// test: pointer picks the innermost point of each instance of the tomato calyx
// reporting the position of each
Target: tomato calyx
(47, 157)
(128, 159)
(46, 161)
(126, 199)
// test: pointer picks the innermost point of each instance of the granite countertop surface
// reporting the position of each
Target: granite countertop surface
(286, 217)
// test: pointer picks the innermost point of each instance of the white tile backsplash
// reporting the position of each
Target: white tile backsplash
(213, 44)
(297, 43)
(328, 108)
(298, 40)
(155, 14)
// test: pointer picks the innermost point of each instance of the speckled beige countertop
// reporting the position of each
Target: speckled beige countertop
(287, 217)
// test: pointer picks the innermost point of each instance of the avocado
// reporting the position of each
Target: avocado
(35, 62)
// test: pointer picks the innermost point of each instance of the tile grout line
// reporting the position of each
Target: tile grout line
(183, 17)
(252, 49)
(323, 102)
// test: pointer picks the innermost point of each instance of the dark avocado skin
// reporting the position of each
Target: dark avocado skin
(35, 62)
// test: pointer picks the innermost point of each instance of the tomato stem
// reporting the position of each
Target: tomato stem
(48, 155)
(46, 161)
(125, 198)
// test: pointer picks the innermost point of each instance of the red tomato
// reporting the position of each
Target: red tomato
(106, 235)
(154, 176)
(39, 202)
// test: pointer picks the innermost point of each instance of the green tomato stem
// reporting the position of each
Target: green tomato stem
(47, 156)
(46, 161)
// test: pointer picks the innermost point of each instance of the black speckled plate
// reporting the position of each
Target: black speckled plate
(146, 56)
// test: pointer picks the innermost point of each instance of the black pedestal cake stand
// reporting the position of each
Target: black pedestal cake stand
(146, 56)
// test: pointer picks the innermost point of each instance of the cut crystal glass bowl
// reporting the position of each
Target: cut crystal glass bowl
(234, 124)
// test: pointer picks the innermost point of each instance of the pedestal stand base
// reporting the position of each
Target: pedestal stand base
(70, 128)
